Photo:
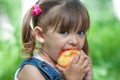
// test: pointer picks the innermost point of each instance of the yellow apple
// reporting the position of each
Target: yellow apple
(66, 56)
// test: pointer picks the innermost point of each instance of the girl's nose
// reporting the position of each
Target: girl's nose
(73, 40)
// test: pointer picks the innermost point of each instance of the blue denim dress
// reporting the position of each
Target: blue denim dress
(46, 70)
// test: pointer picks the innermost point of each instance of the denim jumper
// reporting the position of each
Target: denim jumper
(46, 70)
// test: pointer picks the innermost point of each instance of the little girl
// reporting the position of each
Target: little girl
(57, 25)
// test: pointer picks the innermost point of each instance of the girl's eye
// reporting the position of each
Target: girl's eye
(64, 32)
(81, 33)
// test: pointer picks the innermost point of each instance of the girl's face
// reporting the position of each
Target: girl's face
(56, 41)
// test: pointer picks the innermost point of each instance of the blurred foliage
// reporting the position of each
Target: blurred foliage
(10, 49)
(12, 9)
(103, 38)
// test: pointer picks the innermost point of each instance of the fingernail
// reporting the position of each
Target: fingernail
(82, 51)
(76, 56)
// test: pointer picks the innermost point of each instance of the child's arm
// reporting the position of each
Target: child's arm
(77, 69)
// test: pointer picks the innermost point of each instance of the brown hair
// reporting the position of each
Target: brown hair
(63, 14)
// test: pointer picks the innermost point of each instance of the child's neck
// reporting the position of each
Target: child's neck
(47, 58)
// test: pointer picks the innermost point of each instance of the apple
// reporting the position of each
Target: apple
(66, 56)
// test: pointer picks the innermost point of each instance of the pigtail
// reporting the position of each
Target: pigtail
(28, 38)
(29, 22)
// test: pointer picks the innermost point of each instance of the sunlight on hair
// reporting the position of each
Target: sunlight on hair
(116, 5)
(26, 5)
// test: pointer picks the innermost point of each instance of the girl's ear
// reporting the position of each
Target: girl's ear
(38, 34)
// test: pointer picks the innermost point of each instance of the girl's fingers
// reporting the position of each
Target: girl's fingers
(87, 69)
(75, 59)
(79, 58)
(88, 76)
(85, 64)
(82, 58)
(59, 68)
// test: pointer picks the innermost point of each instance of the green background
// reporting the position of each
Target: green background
(103, 37)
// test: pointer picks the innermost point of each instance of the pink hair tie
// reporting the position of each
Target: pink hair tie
(36, 10)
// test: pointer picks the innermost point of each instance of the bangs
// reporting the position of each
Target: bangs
(67, 20)
(72, 21)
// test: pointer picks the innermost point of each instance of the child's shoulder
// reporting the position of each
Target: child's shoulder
(29, 72)
(38, 66)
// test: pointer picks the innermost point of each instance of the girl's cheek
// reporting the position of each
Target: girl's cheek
(81, 44)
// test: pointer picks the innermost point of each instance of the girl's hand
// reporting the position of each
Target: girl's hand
(88, 75)
(77, 69)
